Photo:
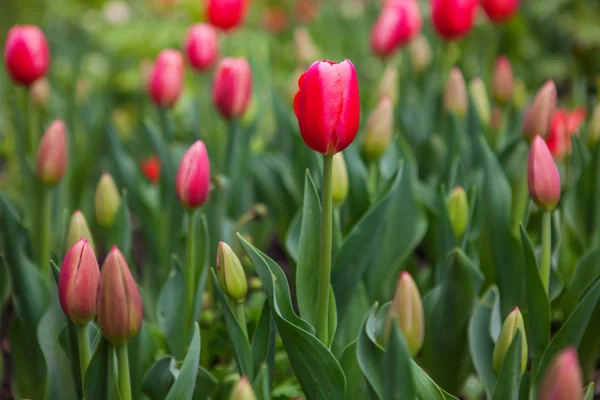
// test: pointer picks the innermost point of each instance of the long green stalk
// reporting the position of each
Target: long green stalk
(241, 317)
(84, 349)
(546, 249)
(190, 270)
(124, 379)
(43, 226)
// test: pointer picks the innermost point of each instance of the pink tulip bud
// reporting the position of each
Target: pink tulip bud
(78, 283)
(120, 312)
(52, 155)
(399, 22)
(538, 116)
(563, 379)
(327, 106)
(232, 87)
(39, 92)
(542, 176)
(26, 54)
(503, 81)
(242, 390)
(166, 78)
(455, 93)
(226, 14)
(453, 19)
(499, 10)
(201, 46)
(193, 177)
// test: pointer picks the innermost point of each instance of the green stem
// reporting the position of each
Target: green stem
(190, 269)
(164, 124)
(546, 249)
(43, 255)
(326, 233)
(241, 316)
(231, 158)
(84, 349)
(124, 380)
(374, 178)
(30, 125)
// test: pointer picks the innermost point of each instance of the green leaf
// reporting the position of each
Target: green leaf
(370, 355)
(183, 388)
(292, 237)
(309, 253)
(397, 377)
(29, 370)
(142, 352)
(480, 340)
(263, 342)
(119, 233)
(589, 392)
(241, 347)
(261, 384)
(168, 310)
(426, 388)
(509, 377)
(100, 382)
(356, 385)
(585, 273)
(159, 379)
(205, 383)
(318, 372)
(357, 201)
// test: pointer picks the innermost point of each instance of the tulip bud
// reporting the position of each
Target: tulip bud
(388, 84)
(559, 137)
(78, 229)
(232, 87)
(306, 50)
(502, 81)
(201, 46)
(192, 183)
(151, 168)
(242, 390)
(51, 161)
(594, 127)
(538, 116)
(78, 283)
(453, 19)
(408, 308)
(458, 207)
(500, 10)
(379, 130)
(420, 54)
(562, 380)
(226, 14)
(107, 202)
(455, 94)
(39, 92)
(398, 23)
(166, 78)
(542, 176)
(26, 54)
(512, 324)
(120, 312)
(480, 100)
(340, 180)
(519, 94)
(327, 106)
(231, 273)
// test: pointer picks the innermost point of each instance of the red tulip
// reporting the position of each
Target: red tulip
(575, 118)
(327, 106)
(542, 176)
(399, 23)
(166, 78)
(562, 380)
(499, 10)
(453, 19)
(563, 124)
(151, 168)
(78, 283)
(226, 14)
(52, 155)
(201, 46)
(193, 177)
(232, 87)
(274, 19)
(26, 54)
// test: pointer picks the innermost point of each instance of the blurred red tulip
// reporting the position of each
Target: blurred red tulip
(26, 54)
(232, 87)
(563, 124)
(542, 176)
(563, 378)
(274, 19)
(52, 155)
(453, 19)
(575, 118)
(399, 22)
(151, 168)
(166, 78)
(539, 114)
(226, 14)
(499, 10)
(192, 183)
(201, 46)
(327, 106)
(306, 10)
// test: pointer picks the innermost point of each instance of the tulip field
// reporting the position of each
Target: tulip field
(300, 199)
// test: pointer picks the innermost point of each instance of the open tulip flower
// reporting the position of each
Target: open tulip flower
(197, 203)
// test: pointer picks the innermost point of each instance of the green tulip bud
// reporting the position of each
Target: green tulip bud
(407, 307)
(480, 100)
(388, 84)
(420, 54)
(242, 390)
(458, 208)
(231, 273)
(340, 180)
(512, 324)
(455, 94)
(108, 201)
(78, 228)
(379, 130)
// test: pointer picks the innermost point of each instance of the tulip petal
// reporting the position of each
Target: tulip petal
(349, 117)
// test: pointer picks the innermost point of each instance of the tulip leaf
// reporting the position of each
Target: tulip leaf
(119, 233)
(538, 307)
(170, 318)
(183, 387)
(356, 385)
(318, 371)
(292, 237)
(263, 342)
(585, 273)
(159, 379)
(205, 383)
(589, 392)
(307, 268)
(242, 351)
(397, 378)
(480, 340)
(261, 384)
(100, 379)
(142, 350)
(425, 387)
(357, 201)
(509, 377)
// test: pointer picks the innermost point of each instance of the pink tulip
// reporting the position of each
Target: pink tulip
(232, 87)
(193, 177)
(539, 114)
(500, 10)
(201, 46)
(453, 19)
(52, 155)
(166, 78)
(542, 176)
(226, 14)
(399, 22)
(26, 54)
(503, 81)
(327, 106)
(563, 379)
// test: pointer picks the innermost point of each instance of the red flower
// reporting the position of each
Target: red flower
(201, 46)
(151, 168)
(52, 154)
(499, 10)
(453, 19)
(192, 183)
(327, 106)
(399, 22)
(542, 176)
(26, 54)
(232, 87)
(226, 14)
(166, 78)
(564, 124)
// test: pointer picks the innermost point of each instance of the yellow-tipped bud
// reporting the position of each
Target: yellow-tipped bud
(79, 229)
(340, 180)
(458, 208)
(379, 131)
(231, 273)
(107, 201)
(512, 324)
(407, 307)
(480, 100)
